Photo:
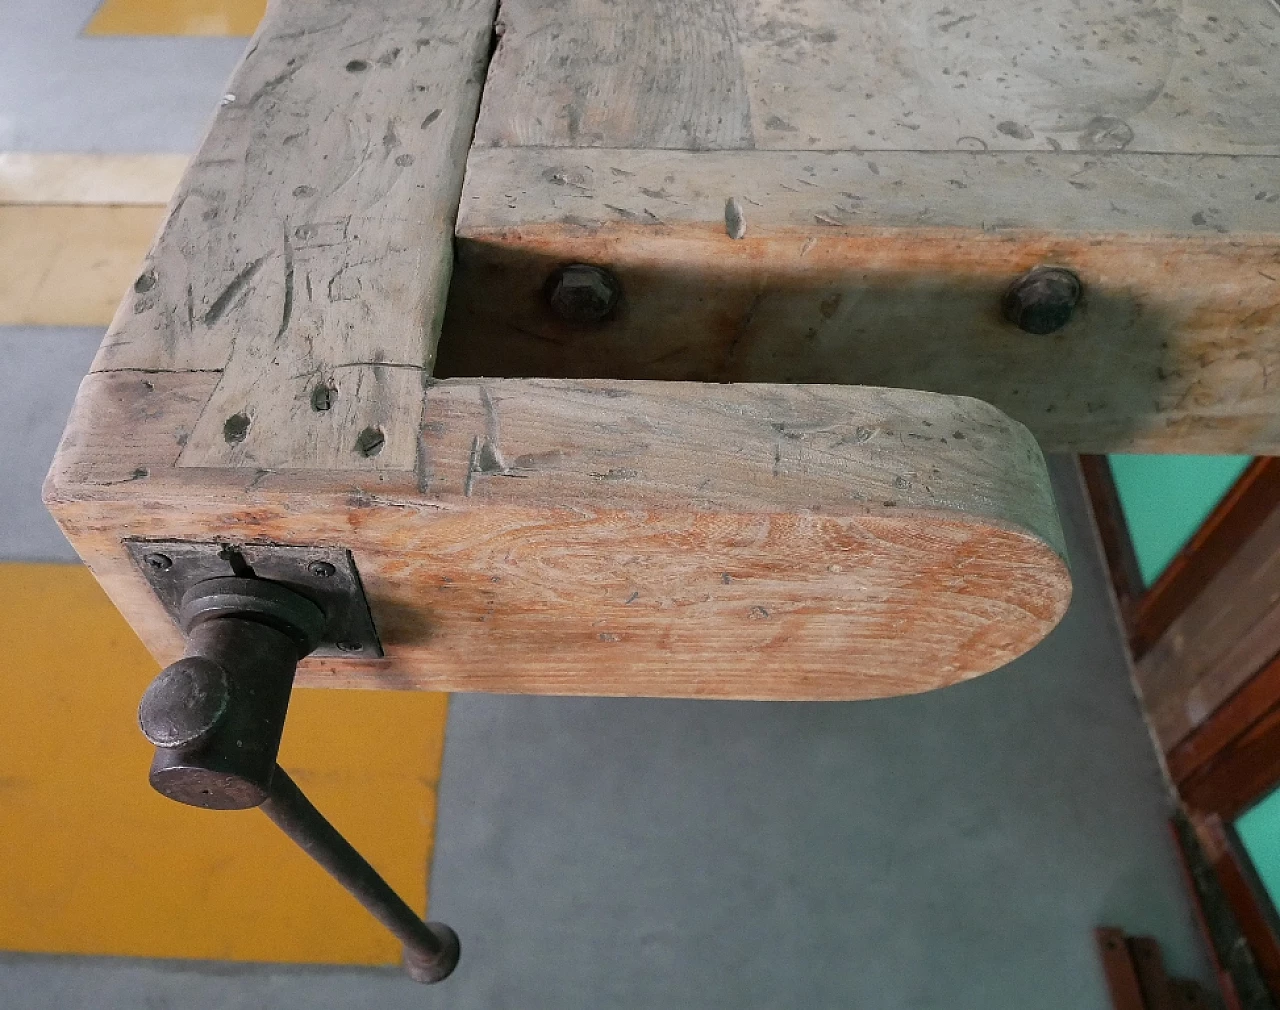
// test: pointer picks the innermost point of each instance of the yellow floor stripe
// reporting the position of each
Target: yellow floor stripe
(70, 266)
(177, 17)
(146, 179)
(96, 863)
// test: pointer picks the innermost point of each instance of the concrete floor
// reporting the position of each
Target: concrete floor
(60, 91)
(951, 850)
(946, 851)
(43, 367)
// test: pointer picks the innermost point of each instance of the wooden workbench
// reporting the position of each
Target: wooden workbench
(703, 491)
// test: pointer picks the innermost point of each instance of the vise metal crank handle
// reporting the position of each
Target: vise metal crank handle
(216, 717)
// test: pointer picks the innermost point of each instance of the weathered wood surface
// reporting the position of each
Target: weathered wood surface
(595, 537)
(1218, 642)
(1191, 77)
(309, 245)
(891, 170)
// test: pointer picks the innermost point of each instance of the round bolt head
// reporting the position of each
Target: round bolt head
(1041, 300)
(185, 705)
(160, 562)
(322, 569)
(583, 294)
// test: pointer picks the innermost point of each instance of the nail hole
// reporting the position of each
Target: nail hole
(357, 66)
(370, 442)
(236, 428)
(322, 397)
(145, 283)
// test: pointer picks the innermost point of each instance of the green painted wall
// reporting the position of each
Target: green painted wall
(1259, 830)
(1166, 498)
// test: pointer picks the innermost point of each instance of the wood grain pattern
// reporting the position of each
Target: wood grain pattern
(1226, 634)
(309, 242)
(1229, 762)
(1214, 737)
(895, 169)
(1174, 348)
(1191, 78)
(268, 379)
(1220, 537)
(1246, 895)
(576, 73)
(595, 537)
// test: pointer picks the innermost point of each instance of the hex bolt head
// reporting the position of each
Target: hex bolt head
(160, 562)
(1041, 300)
(185, 705)
(582, 294)
(350, 647)
(321, 569)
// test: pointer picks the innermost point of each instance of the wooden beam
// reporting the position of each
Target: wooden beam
(1208, 752)
(615, 538)
(881, 204)
(1148, 962)
(309, 244)
(1226, 634)
(1113, 531)
(1118, 967)
(1226, 531)
(1244, 894)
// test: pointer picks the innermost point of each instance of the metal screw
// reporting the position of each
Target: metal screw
(160, 562)
(1042, 300)
(583, 294)
(321, 569)
(350, 647)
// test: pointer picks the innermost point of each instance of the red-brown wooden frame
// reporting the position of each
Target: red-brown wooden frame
(1148, 611)
(1232, 759)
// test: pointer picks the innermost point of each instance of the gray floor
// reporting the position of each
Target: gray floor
(950, 851)
(43, 366)
(60, 91)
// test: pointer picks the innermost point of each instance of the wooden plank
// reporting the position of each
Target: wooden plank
(891, 170)
(1244, 893)
(1113, 533)
(1240, 771)
(1119, 969)
(1230, 631)
(309, 243)
(889, 269)
(1251, 500)
(1148, 962)
(1233, 965)
(1213, 739)
(1149, 612)
(826, 75)
(597, 537)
